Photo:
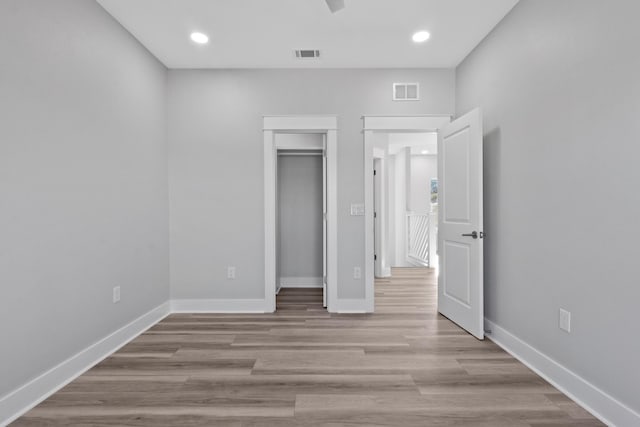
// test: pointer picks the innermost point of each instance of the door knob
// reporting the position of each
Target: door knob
(474, 235)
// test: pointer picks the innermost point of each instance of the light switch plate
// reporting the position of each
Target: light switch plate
(357, 209)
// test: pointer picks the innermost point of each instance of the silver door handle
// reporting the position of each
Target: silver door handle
(474, 235)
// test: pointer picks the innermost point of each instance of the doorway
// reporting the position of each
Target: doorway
(289, 138)
(460, 206)
(391, 223)
(300, 195)
(405, 186)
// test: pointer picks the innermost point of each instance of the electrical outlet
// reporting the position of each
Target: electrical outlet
(116, 294)
(565, 320)
(357, 273)
(231, 272)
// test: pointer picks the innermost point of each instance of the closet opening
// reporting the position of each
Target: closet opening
(300, 228)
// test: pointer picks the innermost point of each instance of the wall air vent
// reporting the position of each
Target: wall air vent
(307, 54)
(406, 91)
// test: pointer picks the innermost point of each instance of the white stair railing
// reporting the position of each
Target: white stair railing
(418, 239)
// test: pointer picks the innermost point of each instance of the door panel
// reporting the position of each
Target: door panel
(458, 286)
(456, 175)
(460, 236)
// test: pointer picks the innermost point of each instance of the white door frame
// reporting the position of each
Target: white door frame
(273, 125)
(386, 124)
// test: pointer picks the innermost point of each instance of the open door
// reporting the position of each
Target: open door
(324, 224)
(460, 230)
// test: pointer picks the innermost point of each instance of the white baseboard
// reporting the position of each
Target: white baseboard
(416, 262)
(603, 406)
(383, 273)
(352, 305)
(18, 402)
(301, 282)
(219, 306)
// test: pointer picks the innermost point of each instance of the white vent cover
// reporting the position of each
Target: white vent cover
(307, 54)
(406, 91)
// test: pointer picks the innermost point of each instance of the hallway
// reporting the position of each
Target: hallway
(405, 365)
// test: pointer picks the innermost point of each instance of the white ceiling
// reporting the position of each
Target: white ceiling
(264, 33)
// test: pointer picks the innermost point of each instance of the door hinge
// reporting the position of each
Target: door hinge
(374, 171)
(375, 257)
(375, 214)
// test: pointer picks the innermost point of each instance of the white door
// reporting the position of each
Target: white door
(460, 230)
(324, 224)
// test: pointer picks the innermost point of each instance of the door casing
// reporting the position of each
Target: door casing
(385, 124)
(273, 125)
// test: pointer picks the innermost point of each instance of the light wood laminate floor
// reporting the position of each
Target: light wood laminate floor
(405, 365)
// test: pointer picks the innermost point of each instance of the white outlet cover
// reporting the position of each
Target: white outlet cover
(231, 272)
(565, 320)
(116, 294)
(357, 273)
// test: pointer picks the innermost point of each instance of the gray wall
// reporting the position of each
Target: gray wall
(83, 182)
(558, 85)
(216, 164)
(300, 216)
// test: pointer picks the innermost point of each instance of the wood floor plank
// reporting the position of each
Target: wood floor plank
(292, 385)
(404, 365)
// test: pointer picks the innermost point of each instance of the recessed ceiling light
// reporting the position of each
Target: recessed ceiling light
(421, 36)
(425, 151)
(200, 38)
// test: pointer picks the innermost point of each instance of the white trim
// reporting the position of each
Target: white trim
(371, 125)
(300, 282)
(379, 242)
(270, 250)
(602, 405)
(287, 124)
(332, 218)
(220, 306)
(299, 145)
(21, 400)
(369, 249)
(353, 305)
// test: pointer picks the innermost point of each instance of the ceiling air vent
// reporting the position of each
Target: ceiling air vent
(406, 91)
(307, 54)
